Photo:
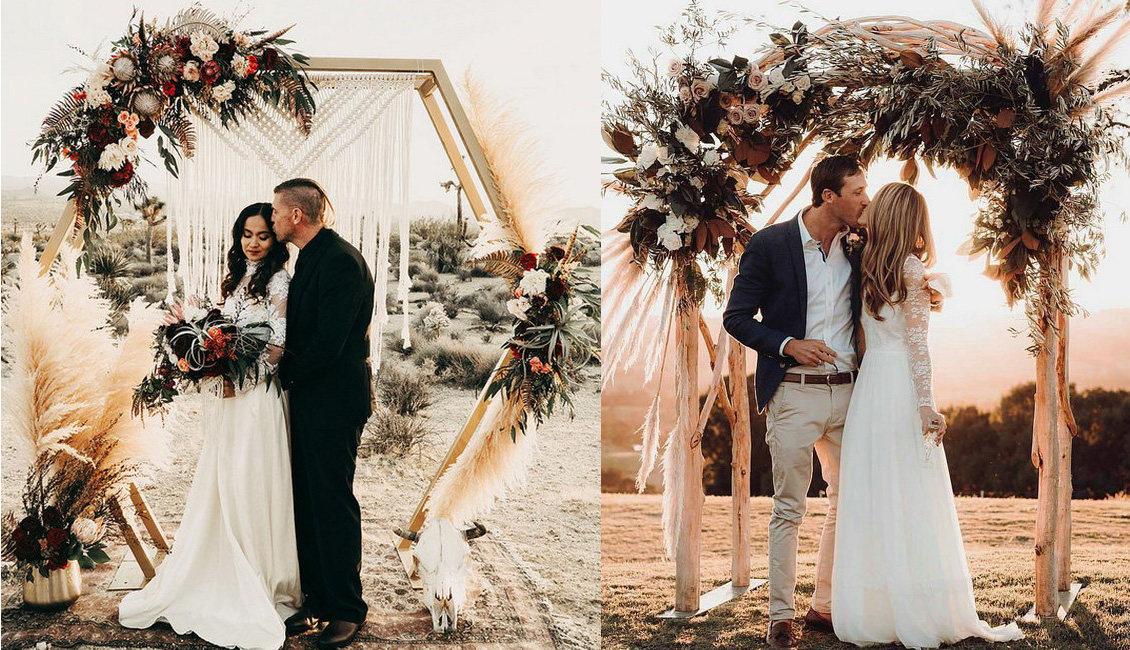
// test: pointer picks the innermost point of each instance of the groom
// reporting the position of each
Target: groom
(326, 370)
(803, 276)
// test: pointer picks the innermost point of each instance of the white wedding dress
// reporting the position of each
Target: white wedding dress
(232, 575)
(900, 574)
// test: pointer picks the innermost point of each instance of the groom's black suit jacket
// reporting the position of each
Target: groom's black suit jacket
(772, 279)
(325, 365)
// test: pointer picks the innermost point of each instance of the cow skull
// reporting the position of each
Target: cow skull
(440, 559)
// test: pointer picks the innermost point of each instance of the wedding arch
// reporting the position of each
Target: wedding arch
(264, 127)
(1026, 117)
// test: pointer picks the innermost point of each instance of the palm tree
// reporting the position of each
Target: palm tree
(152, 210)
(458, 187)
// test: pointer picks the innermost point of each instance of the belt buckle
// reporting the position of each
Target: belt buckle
(802, 375)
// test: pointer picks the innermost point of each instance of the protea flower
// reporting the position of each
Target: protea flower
(125, 68)
(164, 65)
(88, 531)
(149, 102)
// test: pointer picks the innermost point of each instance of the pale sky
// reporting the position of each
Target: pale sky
(629, 27)
(542, 56)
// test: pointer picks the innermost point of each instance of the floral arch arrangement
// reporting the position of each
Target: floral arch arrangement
(1027, 117)
(196, 63)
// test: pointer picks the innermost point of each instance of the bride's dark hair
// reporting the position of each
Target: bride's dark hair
(275, 260)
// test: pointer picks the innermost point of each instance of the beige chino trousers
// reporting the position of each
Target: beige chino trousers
(800, 418)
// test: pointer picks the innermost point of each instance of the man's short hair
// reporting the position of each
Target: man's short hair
(829, 174)
(307, 195)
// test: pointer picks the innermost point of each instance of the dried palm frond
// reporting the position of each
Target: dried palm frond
(504, 264)
(197, 17)
(1112, 93)
(182, 129)
(527, 202)
(64, 116)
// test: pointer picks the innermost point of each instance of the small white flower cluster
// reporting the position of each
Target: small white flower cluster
(795, 86)
(533, 282)
(203, 46)
(240, 65)
(191, 71)
(223, 92)
(671, 233)
(95, 86)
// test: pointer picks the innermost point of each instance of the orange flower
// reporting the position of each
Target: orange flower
(183, 365)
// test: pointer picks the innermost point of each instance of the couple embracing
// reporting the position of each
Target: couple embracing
(844, 369)
(270, 540)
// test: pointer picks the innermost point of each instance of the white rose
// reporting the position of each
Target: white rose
(203, 45)
(96, 96)
(222, 93)
(662, 155)
(700, 88)
(518, 307)
(735, 115)
(669, 237)
(687, 137)
(776, 78)
(129, 146)
(112, 157)
(241, 39)
(191, 71)
(803, 82)
(648, 156)
(711, 157)
(756, 80)
(675, 68)
(100, 75)
(787, 88)
(798, 96)
(533, 282)
(240, 65)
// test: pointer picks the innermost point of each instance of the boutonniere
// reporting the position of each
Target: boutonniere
(854, 240)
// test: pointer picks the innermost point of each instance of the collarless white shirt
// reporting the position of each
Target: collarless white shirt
(829, 300)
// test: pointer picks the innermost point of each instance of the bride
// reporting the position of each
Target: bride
(232, 576)
(900, 574)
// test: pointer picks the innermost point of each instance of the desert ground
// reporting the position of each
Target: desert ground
(637, 582)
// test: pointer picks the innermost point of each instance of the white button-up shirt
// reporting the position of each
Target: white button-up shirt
(829, 300)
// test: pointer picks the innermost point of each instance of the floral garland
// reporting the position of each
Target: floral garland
(196, 63)
(554, 309)
(1027, 128)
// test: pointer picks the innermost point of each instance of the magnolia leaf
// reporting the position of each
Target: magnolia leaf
(911, 59)
(780, 40)
(909, 171)
(988, 155)
(1030, 240)
(1005, 118)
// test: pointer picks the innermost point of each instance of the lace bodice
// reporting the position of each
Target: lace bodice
(244, 309)
(904, 329)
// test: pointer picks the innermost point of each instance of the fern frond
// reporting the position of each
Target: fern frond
(63, 117)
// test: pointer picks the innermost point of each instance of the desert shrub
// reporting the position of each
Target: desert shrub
(431, 321)
(455, 335)
(109, 262)
(390, 433)
(458, 362)
(427, 281)
(464, 272)
(154, 288)
(403, 388)
(441, 242)
(492, 312)
(447, 295)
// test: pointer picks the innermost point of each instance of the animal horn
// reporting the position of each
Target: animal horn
(409, 535)
(474, 533)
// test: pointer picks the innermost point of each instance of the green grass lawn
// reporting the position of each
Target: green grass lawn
(637, 583)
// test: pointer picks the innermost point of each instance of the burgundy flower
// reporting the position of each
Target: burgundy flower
(57, 562)
(270, 59)
(99, 134)
(184, 47)
(27, 549)
(121, 176)
(225, 51)
(56, 537)
(169, 88)
(32, 526)
(210, 72)
(107, 117)
(52, 518)
(515, 351)
(555, 288)
(146, 128)
(556, 253)
(529, 261)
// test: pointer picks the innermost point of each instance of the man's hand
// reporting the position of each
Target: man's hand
(810, 352)
(229, 388)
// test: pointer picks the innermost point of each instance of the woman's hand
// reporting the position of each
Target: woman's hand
(933, 424)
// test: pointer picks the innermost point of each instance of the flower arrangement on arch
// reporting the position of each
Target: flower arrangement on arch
(554, 310)
(197, 343)
(196, 63)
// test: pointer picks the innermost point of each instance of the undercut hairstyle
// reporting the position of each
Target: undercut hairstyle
(306, 195)
(829, 174)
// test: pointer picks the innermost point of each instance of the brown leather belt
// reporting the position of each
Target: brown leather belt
(837, 378)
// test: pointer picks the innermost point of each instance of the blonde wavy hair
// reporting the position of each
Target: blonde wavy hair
(898, 225)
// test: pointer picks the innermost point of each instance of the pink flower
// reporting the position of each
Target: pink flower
(752, 112)
(685, 94)
(675, 68)
(756, 80)
(735, 115)
(700, 88)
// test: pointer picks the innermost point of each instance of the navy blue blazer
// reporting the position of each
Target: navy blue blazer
(772, 280)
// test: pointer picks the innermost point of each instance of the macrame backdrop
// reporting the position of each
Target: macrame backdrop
(358, 150)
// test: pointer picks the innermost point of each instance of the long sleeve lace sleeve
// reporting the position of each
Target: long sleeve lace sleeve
(916, 314)
(268, 362)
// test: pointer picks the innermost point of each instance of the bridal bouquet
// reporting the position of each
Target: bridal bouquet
(198, 343)
(553, 310)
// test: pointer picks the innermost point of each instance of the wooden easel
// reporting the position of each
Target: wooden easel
(127, 579)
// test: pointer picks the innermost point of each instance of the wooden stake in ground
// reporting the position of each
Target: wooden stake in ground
(1066, 430)
(1046, 431)
(689, 541)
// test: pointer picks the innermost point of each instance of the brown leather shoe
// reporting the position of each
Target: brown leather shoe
(816, 621)
(338, 634)
(782, 635)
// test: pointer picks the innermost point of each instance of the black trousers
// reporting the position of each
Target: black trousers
(327, 519)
